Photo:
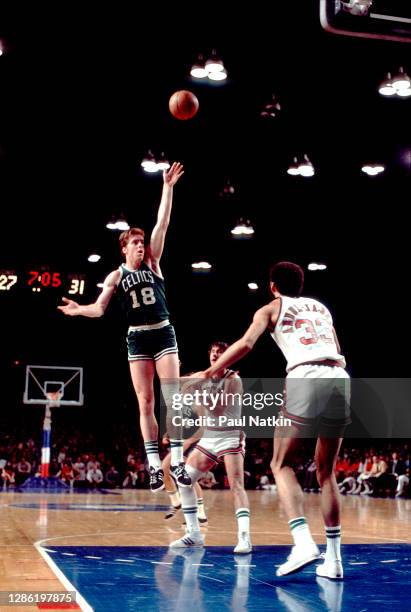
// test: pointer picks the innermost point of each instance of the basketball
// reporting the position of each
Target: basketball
(183, 105)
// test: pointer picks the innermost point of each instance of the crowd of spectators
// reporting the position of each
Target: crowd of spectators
(115, 458)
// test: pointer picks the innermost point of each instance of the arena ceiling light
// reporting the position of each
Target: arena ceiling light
(151, 164)
(301, 168)
(198, 69)
(272, 109)
(252, 286)
(228, 190)
(212, 69)
(397, 86)
(201, 266)
(373, 169)
(163, 163)
(94, 258)
(243, 229)
(118, 223)
(314, 267)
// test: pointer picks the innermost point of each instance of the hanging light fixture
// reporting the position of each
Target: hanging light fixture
(112, 224)
(243, 229)
(306, 168)
(313, 267)
(399, 85)
(373, 169)
(401, 81)
(198, 70)
(271, 109)
(118, 223)
(201, 267)
(149, 162)
(386, 88)
(163, 163)
(213, 68)
(214, 63)
(294, 168)
(93, 258)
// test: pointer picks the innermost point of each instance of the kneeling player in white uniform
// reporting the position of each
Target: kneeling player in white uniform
(219, 444)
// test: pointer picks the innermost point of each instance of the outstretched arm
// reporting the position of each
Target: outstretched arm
(158, 235)
(73, 309)
(244, 345)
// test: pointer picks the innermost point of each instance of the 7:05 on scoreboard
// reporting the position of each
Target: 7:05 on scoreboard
(40, 279)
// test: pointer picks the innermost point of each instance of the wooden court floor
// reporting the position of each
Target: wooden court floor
(32, 521)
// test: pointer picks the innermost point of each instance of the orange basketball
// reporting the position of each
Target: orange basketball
(183, 104)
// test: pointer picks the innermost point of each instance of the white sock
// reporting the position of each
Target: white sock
(176, 447)
(189, 500)
(333, 552)
(200, 507)
(300, 531)
(189, 507)
(153, 457)
(243, 519)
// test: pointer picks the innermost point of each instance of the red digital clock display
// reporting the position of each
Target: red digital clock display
(42, 278)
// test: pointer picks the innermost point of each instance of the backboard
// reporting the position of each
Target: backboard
(45, 382)
(379, 19)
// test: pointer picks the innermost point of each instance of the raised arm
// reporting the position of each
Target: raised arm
(241, 347)
(158, 235)
(73, 309)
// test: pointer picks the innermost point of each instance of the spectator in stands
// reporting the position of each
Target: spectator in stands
(95, 476)
(66, 474)
(112, 478)
(23, 470)
(396, 468)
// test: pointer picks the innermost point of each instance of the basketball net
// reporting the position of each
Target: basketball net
(54, 397)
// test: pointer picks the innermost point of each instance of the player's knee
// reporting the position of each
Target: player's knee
(145, 402)
(276, 464)
(194, 473)
(236, 485)
(324, 473)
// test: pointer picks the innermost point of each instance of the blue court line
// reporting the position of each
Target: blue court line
(126, 579)
(95, 507)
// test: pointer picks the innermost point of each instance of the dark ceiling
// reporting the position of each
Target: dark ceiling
(84, 95)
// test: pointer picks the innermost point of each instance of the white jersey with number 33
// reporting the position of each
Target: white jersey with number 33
(304, 332)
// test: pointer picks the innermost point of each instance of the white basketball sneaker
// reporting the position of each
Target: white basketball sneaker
(299, 558)
(330, 569)
(189, 540)
(244, 545)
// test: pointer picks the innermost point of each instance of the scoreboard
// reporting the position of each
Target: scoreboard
(42, 279)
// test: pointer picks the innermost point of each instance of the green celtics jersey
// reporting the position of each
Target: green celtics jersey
(142, 295)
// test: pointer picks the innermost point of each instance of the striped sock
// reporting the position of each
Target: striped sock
(300, 531)
(243, 519)
(176, 447)
(153, 457)
(200, 508)
(190, 515)
(333, 552)
(189, 507)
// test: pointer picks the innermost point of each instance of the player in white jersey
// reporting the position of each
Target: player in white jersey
(317, 402)
(218, 443)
